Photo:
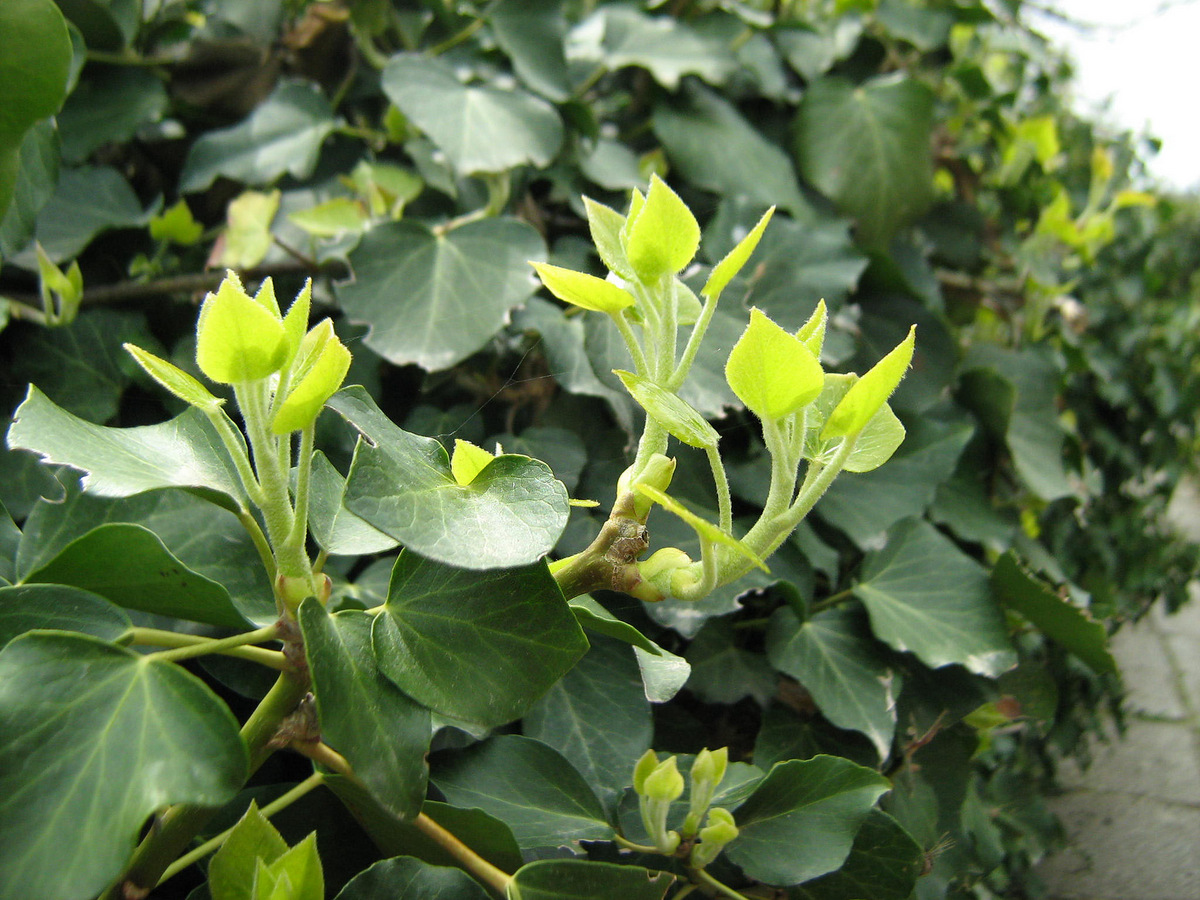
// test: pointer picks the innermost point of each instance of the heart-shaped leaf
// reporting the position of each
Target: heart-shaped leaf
(511, 514)
(772, 371)
(579, 879)
(405, 878)
(28, 606)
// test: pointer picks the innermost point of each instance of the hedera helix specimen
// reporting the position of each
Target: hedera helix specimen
(356, 688)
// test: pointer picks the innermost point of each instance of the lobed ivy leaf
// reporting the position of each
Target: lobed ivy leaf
(475, 645)
(114, 737)
(336, 530)
(511, 514)
(532, 33)
(578, 879)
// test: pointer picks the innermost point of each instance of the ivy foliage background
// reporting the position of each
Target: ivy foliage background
(942, 620)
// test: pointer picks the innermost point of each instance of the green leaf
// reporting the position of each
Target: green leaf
(283, 135)
(667, 46)
(528, 785)
(833, 656)
(578, 879)
(594, 617)
(50, 606)
(35, 177)
(175, 380)
(382, 733)
(318, 370)
(884, 864)
(480, 128)
(605, 225)
(675, 415)
(115, 737)
(1074, 628)
(664, 235)
(701, 526)
(717, 150)
(868, 148)
(405, 878)
(735, 259)
(532, 33)
(583, 290)
(295, 875)
(926, 597)
(435, 298)
(33, 77)
(248, 235)
(176, 225)
(108, 107)
(511, 514)
(801, 820)
(506, 632)
(663, 674)
(232, 869)
(869, 393)
(336, 530)
(771, 371)
(879, 439)
(333, 218)
(724, 672)
(119, 462)
(597, 716)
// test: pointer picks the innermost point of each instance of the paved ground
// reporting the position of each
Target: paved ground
(1133, 818)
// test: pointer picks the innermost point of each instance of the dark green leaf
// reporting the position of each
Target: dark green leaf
(26, 607)
(405, 878)
(531, 32)
(336, 530)
(925, 29)
(723, 672)
(435, 298)
(35, 178)
(578, 879)
(114, 737)
(381, 732)
(924, 595)
(562, 450)
(10, 540)
(811, 52)
(801, 820)
(668, 47)
(594, 617)
(884, 864)
(284, 134)
(1074, 628)
(527, 785)
(833, 656)
(119, 462)
(867, 147)
(510, 515)
(597, 716)
(506, 633)
(481, 128)
(105, 24)
(109, 107)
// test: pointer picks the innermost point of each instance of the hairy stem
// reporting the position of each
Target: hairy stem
(185, 646)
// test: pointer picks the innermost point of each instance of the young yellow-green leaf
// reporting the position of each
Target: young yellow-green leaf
(333, 218)
(248, 232)
(266, 297)
(467, 461)
(176, 225)
(702, 527)
(581, 289)
(606, 226)
(687, 304)
(812, 332)
(321, 364)
(662, 236)
(295, 875)
(175, 380)
(772, 372)
(870, 392)
(670, 411)
(238, 339)
(231, 871)
(295, 323)
(736, 258)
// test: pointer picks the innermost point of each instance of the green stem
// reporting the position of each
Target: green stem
(299, 532)
(187, 646)
(631, 342)
(708, 881)
(478, 867)
(456, 39)
(692, 347)
(235, 446)
(831, 601)
(261, 544)
(724, 500)
(280, 803)
(630, 845)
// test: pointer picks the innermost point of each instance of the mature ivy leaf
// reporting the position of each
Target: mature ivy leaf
(405, 878)
(105, 24)
(28, 606)
(884, 864)
(532, 32)
(598, 717)
(801, 820)
(10, 540)
(86, 202)
(435, 298)
(475, 645)
(924, 595)
(833, 657)
(580, 879)
(165, 552)
(480, 128)
(336, 530)
(1014, 391)
(119, 462)
(511, 514)
(594, 617)
(562, 450)
(864, 505)
(109, 106)
(114, 736)
(723, 672)
(867, 147)
(382, 733)
(925, 29)
(788, 734)
(82, 366)
(527, 785)
(663, 674)
(668, 47)
(35, 178)
(719, 151)
(1074, 628)
(33, 77)
(283, 135)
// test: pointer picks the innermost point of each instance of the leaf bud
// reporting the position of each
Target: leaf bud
(664, 784)
(238, 339)
(661, 566)
(642, 768)
(657, 473)
(720, 830)
(320, 366)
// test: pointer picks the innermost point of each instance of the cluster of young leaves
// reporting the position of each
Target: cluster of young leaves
(413, 161)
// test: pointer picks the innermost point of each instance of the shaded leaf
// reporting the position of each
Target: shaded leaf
(29, 606)
(666, 46)
(336, 530)
(531, 32)
(109, 106)
(34, 178)
(884, 864)
(578, 879)
(405, 878)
